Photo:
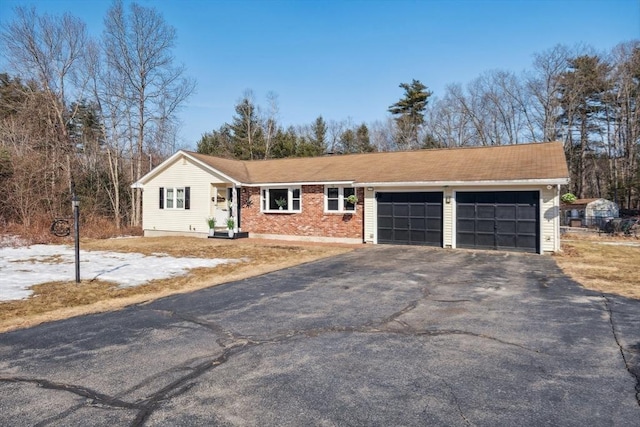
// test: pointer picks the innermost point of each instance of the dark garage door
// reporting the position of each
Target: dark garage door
(410, 218)
(506, 220)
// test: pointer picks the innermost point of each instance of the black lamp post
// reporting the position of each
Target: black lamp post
(75, 203)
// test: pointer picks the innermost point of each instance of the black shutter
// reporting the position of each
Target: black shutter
(161, 197)
(187, 197)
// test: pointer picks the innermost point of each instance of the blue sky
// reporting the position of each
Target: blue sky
(345, 59)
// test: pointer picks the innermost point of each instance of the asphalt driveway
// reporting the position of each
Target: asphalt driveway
(382, 336)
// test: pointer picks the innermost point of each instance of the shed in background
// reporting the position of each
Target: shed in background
(589, 212)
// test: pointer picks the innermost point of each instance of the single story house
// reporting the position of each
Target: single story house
(589, 212)
(499, 197)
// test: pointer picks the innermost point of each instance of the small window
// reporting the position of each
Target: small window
(340, 199)
(349, 194)
(175, 198)
(281, 200)
(169, 198)
(180, 198)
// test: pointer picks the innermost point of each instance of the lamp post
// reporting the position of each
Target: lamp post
(75, 203)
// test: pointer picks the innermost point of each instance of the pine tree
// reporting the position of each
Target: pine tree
(247, 137)
(409, 113)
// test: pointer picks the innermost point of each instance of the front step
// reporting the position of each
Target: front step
(225, 235)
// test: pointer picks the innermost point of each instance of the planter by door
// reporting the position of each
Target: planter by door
(231, 234)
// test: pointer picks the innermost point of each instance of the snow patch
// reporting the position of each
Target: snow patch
(25, 266)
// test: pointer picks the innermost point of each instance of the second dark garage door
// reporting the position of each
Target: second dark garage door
(498, 220)
(410, 218)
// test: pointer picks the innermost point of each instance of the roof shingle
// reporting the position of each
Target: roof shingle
(495, 163)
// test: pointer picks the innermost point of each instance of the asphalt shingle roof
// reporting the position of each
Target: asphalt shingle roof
(495, 163)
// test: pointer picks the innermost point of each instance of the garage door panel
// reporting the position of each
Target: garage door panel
(506, 212)
(485, 212)
(466, 226)
(485, 226)
(385, 209)
(528, 197)
(527, 212)
(418, 223)
(385, 234)
(418, 235)
(466, 239)
(400, 209)
(486, 240)
(506, 227)
(401, 223)
(434, 224)
(385, 222)
(401, 236)
(526, 241)
(410, 218)
(417, 210)
(434, 210)
(506, 241)
(498, 220)
(526, 227)
(466, 211)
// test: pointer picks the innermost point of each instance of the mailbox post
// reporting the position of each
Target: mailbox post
(75, 203)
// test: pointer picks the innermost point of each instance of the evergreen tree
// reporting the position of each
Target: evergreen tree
(409, 113)
(363, 142)
(247, 136)
(348, 142)
(319, 130)
(284, 143)
(217, 143)
(583, 88)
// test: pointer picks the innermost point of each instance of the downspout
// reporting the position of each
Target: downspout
(556, 226)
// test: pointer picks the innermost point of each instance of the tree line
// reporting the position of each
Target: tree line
(95, 115)
(83, 114)
(587, 100)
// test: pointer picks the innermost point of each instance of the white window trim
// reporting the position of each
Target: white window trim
(174, 199)
(341, 209)
(265, 196)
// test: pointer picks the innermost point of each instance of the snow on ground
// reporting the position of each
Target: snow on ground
(25, 266)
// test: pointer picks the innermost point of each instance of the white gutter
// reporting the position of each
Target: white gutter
(291, 184)
(552, 181)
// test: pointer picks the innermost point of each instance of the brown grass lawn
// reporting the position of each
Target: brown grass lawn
(59, 300)
(602, 263)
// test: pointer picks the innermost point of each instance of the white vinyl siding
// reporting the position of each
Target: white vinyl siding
(369, 215)
(447, 218)
(181, 173)
(550, 219)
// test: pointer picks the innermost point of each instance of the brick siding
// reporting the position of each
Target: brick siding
(311, 221)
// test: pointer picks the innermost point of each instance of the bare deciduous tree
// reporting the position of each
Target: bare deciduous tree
(138, 47)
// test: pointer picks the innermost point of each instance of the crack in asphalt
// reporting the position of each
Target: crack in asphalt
(627, 364)
(96, 397)
(182, 385)
(233, 344)
(457, 402)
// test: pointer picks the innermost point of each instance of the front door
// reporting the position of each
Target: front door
(219, 205)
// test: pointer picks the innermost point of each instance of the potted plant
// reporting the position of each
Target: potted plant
(353, 199)
(281, 202)
(211, 222)
(231, 225)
